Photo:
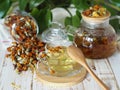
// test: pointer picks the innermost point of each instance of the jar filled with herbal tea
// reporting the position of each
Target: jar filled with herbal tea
(96, 37)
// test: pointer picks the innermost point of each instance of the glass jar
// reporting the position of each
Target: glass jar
(96, 37)
(22, 26)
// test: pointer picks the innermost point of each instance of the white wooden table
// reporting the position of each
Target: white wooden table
(107, 69)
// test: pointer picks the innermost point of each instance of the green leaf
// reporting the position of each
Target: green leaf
(61, 3)
(71, 38)
(111, 10)
(111, 5)
(23, 4)
(115, 2)
(68, 21)
(75, 21)
(116, 25)
(4, 7)
(43, 18)
(35, 13)
(78, 14)
(80, 4)
(35, 3)
(14, 0)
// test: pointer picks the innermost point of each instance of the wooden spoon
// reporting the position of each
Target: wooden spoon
(77, 55)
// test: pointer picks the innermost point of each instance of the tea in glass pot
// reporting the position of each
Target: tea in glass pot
(96, 37)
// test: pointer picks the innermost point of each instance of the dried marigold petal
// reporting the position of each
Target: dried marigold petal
(87, 13)
(96, 7)
(34, 62)
(52, 71)
(42, 55)
(8, 55)
(25, 68)
(95, 11)
(9, 49)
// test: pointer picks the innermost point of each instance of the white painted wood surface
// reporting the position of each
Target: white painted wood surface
(106, 69)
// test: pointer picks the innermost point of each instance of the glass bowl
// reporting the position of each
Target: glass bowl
(57, 62)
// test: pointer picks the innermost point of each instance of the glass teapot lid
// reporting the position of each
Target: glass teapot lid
(55, 35)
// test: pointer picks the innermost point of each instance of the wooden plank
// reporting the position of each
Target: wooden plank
(40, 86)
(5, 36)
(104, 72)
(24, 80)
(115, 65)
(10, 80)
(89, 82)
(2, 52)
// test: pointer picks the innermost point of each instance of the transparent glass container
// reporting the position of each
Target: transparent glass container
(22, 26)
(55, 61)
(96, 37)
(59, 62)
(55, 34)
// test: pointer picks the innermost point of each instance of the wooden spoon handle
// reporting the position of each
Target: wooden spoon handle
(96, 78)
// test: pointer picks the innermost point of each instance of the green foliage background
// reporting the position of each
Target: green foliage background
(41, 10)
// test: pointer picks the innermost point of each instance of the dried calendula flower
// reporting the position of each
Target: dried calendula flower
(14, 85)
(96, 7)
(54, 49)
(25, 52)
(95, 11)
(22, 27)
(88, 13)
(42, 55)
(24, 55)
(52, 71)
(95, 14)
(9, 49)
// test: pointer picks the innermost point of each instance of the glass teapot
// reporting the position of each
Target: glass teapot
(96, 37)
(55, 57)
